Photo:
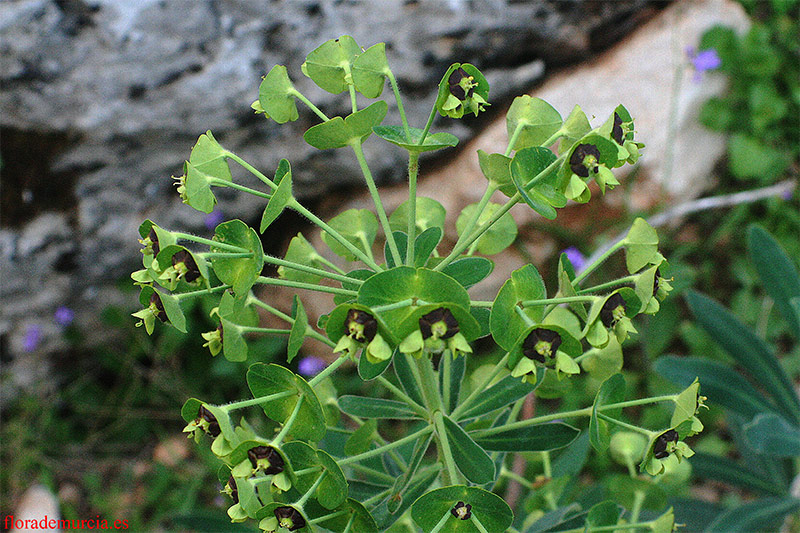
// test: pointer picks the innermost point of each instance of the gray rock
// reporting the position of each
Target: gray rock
(102, 99)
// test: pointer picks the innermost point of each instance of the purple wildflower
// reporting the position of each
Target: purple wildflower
(702, 61)
(787, 194)
(33, 337)
(214, 218)
(575, 257)
(311, 366)
(64, 316)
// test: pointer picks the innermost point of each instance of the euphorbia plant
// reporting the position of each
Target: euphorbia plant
(406, 305)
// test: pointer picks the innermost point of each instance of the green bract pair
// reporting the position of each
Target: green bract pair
(403, 311)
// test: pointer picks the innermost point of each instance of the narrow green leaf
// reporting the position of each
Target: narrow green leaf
(538, 438)
(721, 384)
(758, 515)
(405, 374)
(471, 459)
(771, 434)
(749, 350)
(707, 466)
(503, 393)
(457, 368)
(397, 496)
(419, 484)
(368, 407)
(778, 273)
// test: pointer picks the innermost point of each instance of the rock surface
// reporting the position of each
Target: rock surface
(102, 100)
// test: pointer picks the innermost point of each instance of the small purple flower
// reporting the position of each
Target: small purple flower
(575, 257)
(311, 366)
(33, 337)
(64, 316)
(214, 218)
(787, 194)
(702, 61)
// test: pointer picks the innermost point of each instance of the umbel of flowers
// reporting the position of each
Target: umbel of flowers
(289, 460)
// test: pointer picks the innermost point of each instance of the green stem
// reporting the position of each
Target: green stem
(305, 471)
(553, 138)
(630, 427)
(444, 445)
(386, 478)
(445, 367)
(413, 170)
(378, 497)
(498, 367)
(442, 521)
(209, 242)
(396, 90)
(477, 524)
(516, 477)
(591, 268)
(473, 220)
(525, 318)
(333, 266)
(263, 280)
(297, 94)
(311, 270)
(513, 139)
(367, 248)
(457, 249)
(331, 516)
(250, 168)
(228, 255)
(289, 423)
(303, 499)
(310, 332)
(192, 294)
(377, 451)
(608, 285)
(430, 387)
(268, 331)
(427, 125)
(408, 302)
(297, 206)
(225, 183)
(638, 500)
(376, 199)
(420, 410)
(481, 303)
(586, 411)
(328, 370)
(548, 473)
(561, 300)
(256, 401)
